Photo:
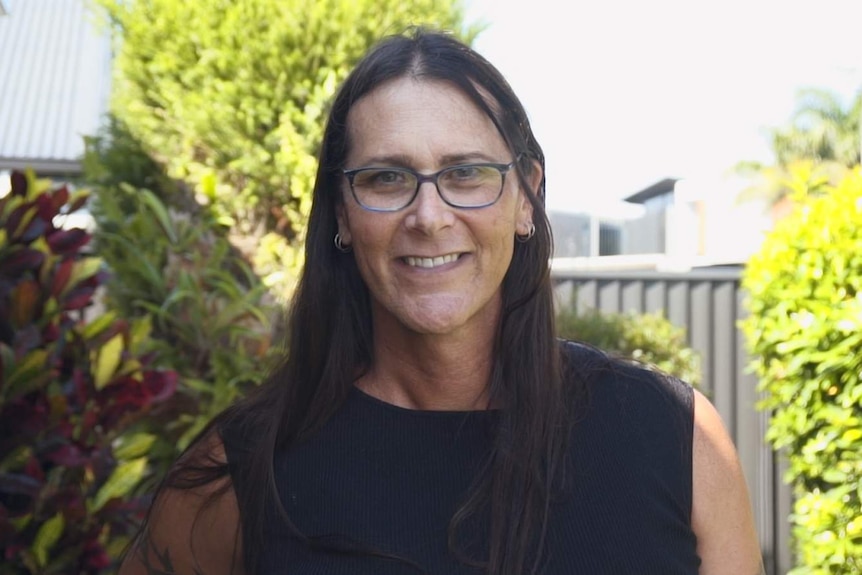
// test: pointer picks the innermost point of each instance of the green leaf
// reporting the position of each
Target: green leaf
(16, 458)
(852, 435)
(834, 476)
(83, 269)
(47, 536)
(28, 374)
(121, 482)
(198, 385)
(140, 332)
(24, 222)
(135, 263)
(137, 445)
(107, 360)
(99, 324)
(178, 296)
(158, 209)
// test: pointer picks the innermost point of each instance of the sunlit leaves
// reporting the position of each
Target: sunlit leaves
(647, 338)
(805, 331)
(231, 96)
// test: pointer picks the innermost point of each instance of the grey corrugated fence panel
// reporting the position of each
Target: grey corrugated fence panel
(709, 305)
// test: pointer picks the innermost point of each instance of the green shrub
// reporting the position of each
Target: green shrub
(112, 156)
(647, 338)
(207, 310)
(173, 267)
(805, 330)
(70, 393)
(231, 97)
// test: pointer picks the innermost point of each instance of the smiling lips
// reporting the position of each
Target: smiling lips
(430, 262)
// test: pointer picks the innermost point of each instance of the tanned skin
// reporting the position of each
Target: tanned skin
(191, 532)
(722, 516)
(156, 562)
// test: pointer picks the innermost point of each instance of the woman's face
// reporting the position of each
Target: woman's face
(430, 268)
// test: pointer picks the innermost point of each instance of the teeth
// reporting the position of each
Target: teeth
(430, 262)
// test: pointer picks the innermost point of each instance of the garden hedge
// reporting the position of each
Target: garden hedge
(805, 330)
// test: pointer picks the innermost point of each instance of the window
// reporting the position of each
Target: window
(610, 240)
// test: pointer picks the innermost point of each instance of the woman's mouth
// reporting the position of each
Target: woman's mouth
(418, 262)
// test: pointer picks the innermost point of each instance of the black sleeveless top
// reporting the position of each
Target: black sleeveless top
(390, 479)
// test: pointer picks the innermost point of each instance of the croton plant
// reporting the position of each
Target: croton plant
(70, 393)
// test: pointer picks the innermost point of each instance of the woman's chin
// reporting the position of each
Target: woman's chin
(446, 320)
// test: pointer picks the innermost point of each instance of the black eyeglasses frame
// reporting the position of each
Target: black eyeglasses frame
(504, 169)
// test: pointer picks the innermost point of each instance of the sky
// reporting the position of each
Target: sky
(624, 93)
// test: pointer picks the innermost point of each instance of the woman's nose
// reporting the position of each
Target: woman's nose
(428, 213)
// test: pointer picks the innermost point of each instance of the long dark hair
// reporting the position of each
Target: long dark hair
(330, 333)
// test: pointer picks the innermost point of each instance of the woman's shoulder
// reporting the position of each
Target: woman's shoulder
(631, 412)
(193, 525)
(601, 374)
(722, 514)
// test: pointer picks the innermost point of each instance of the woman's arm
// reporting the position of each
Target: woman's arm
(721, 509)
(190, 532)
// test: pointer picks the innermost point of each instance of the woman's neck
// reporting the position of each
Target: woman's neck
(430, 372)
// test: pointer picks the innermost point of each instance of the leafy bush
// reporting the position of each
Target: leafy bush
(173, 265)
(647, 338)
(68, 392)
(805, 329)
(208, 313)
(112, 156)
(231, 96)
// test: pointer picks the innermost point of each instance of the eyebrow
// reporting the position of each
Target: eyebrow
(403, 160)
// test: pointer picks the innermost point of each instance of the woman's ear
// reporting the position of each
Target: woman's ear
(535, 177)
(343, 225)
(525, 211)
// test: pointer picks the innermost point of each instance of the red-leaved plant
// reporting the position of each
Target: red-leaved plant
(70, 391)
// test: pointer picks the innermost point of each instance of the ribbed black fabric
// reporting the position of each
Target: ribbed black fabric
(390, 479)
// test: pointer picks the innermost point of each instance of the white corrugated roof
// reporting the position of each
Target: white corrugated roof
(55, 74)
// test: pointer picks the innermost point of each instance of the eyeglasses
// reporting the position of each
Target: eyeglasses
(467, 186)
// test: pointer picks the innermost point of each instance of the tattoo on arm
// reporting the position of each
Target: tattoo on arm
(154, 561)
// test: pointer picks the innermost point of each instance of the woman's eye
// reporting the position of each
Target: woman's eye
(463, 173)
(379, 178)
(387, 178)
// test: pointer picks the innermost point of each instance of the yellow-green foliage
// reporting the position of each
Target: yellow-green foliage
(647, 338)
(207, 310)
(805, 329)
(231, 95)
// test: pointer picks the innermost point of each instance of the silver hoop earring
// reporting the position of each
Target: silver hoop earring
(339, 244)
(531, 231)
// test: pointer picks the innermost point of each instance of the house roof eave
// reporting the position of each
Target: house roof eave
(42, 166)
(657, 189)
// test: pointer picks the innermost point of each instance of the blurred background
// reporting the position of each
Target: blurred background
(623, 94)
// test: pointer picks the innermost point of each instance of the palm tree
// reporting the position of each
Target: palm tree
(821, 143)
(821, 130)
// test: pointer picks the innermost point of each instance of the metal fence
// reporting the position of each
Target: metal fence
(709, 305)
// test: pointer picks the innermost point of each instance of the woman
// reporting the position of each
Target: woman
(426, 419)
